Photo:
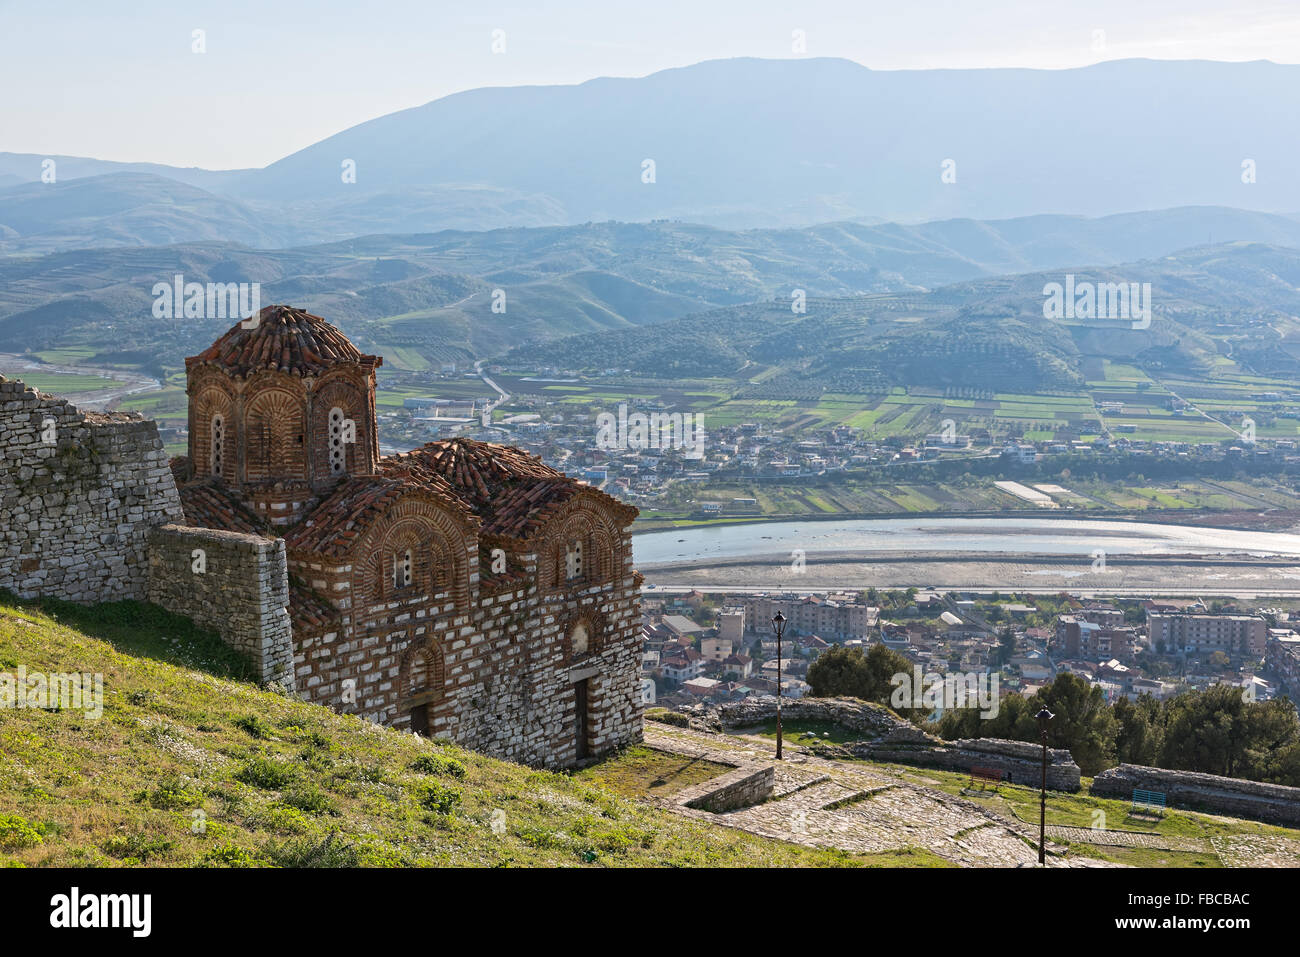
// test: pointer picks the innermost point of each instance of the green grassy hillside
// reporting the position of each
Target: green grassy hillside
(190, 764)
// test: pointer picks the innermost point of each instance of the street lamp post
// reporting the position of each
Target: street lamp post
(778, 622)
(1043, 717)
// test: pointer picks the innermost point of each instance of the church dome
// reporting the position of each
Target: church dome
(284, 339)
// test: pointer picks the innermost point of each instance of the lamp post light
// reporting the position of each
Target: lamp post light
(1043, 717)
(778, 622)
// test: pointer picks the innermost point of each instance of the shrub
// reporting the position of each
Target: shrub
(309, 798)
(15, 832)
(173, 794)
(137, 847)
(255, 727)
(438, 798)
(437, 764)
(265, 773)
(328, 851)
(229, 855)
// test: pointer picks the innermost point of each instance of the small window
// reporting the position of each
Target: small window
(338, 449)
(402, 568)
(218, 444)
(573, 561)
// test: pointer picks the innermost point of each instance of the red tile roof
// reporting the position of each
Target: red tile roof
(210, 506)
(285, 339)
(338, 523)
(308, 610)
(512, 492)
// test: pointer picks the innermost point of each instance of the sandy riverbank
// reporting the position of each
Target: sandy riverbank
(1129, 575)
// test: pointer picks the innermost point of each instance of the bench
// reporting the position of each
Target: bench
(1147, 801)
(985, 776)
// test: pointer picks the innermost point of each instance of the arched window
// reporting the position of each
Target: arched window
(218, 444)
(337, 442)
(573, 560)
(579, 639)
(403, 569)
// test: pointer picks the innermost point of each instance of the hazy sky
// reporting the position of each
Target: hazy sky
(87, 78)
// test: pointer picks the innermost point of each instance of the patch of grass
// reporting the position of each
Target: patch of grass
(438, 798)
(117, 790)
(15, 832)
(267, 773)
(640, 772)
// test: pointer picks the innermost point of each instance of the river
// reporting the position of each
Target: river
(939, 537)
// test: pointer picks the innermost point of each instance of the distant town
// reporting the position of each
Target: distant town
(720, 648)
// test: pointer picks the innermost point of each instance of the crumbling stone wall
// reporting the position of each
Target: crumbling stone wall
(78, 494)
(1274, 803)
(233, 582)
(887, 737)
(1020, 761)
(874, 721)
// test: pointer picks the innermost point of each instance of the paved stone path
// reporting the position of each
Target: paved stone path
(1257, 851)
(829, 804)
(1088, 835)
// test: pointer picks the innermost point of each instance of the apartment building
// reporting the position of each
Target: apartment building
(1206, 634)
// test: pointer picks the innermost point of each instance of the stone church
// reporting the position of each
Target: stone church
(462, 590)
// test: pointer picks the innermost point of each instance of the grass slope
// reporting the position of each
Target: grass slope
(190, 764)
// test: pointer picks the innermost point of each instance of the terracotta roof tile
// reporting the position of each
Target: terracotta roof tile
(285, 339)
(207, 505)
(308, 610)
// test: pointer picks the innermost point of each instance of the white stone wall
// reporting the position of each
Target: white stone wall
(234, 583)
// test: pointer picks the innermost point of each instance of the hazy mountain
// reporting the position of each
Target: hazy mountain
(126, 209)
(748, 142)
(428, 297)
(28, 168)
(745, 141)
(1238, 301)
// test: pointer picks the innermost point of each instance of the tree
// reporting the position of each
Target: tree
(1137, 739)
(848, 672)
(1216, 731)
(1006, 645)
(1083, 722)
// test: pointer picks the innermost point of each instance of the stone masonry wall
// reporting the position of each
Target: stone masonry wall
(78, 493)
(1275, 803)
(743, 787)
(1020, 761)
(236, 583)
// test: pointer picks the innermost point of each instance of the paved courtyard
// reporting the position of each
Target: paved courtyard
(835, 804)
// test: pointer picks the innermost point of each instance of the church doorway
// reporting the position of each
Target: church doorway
(580, 718)
(420, 720)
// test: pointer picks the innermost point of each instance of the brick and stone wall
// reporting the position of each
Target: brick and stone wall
(499, 674)
(78, 494)
(1274, 803)
(235, 583)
